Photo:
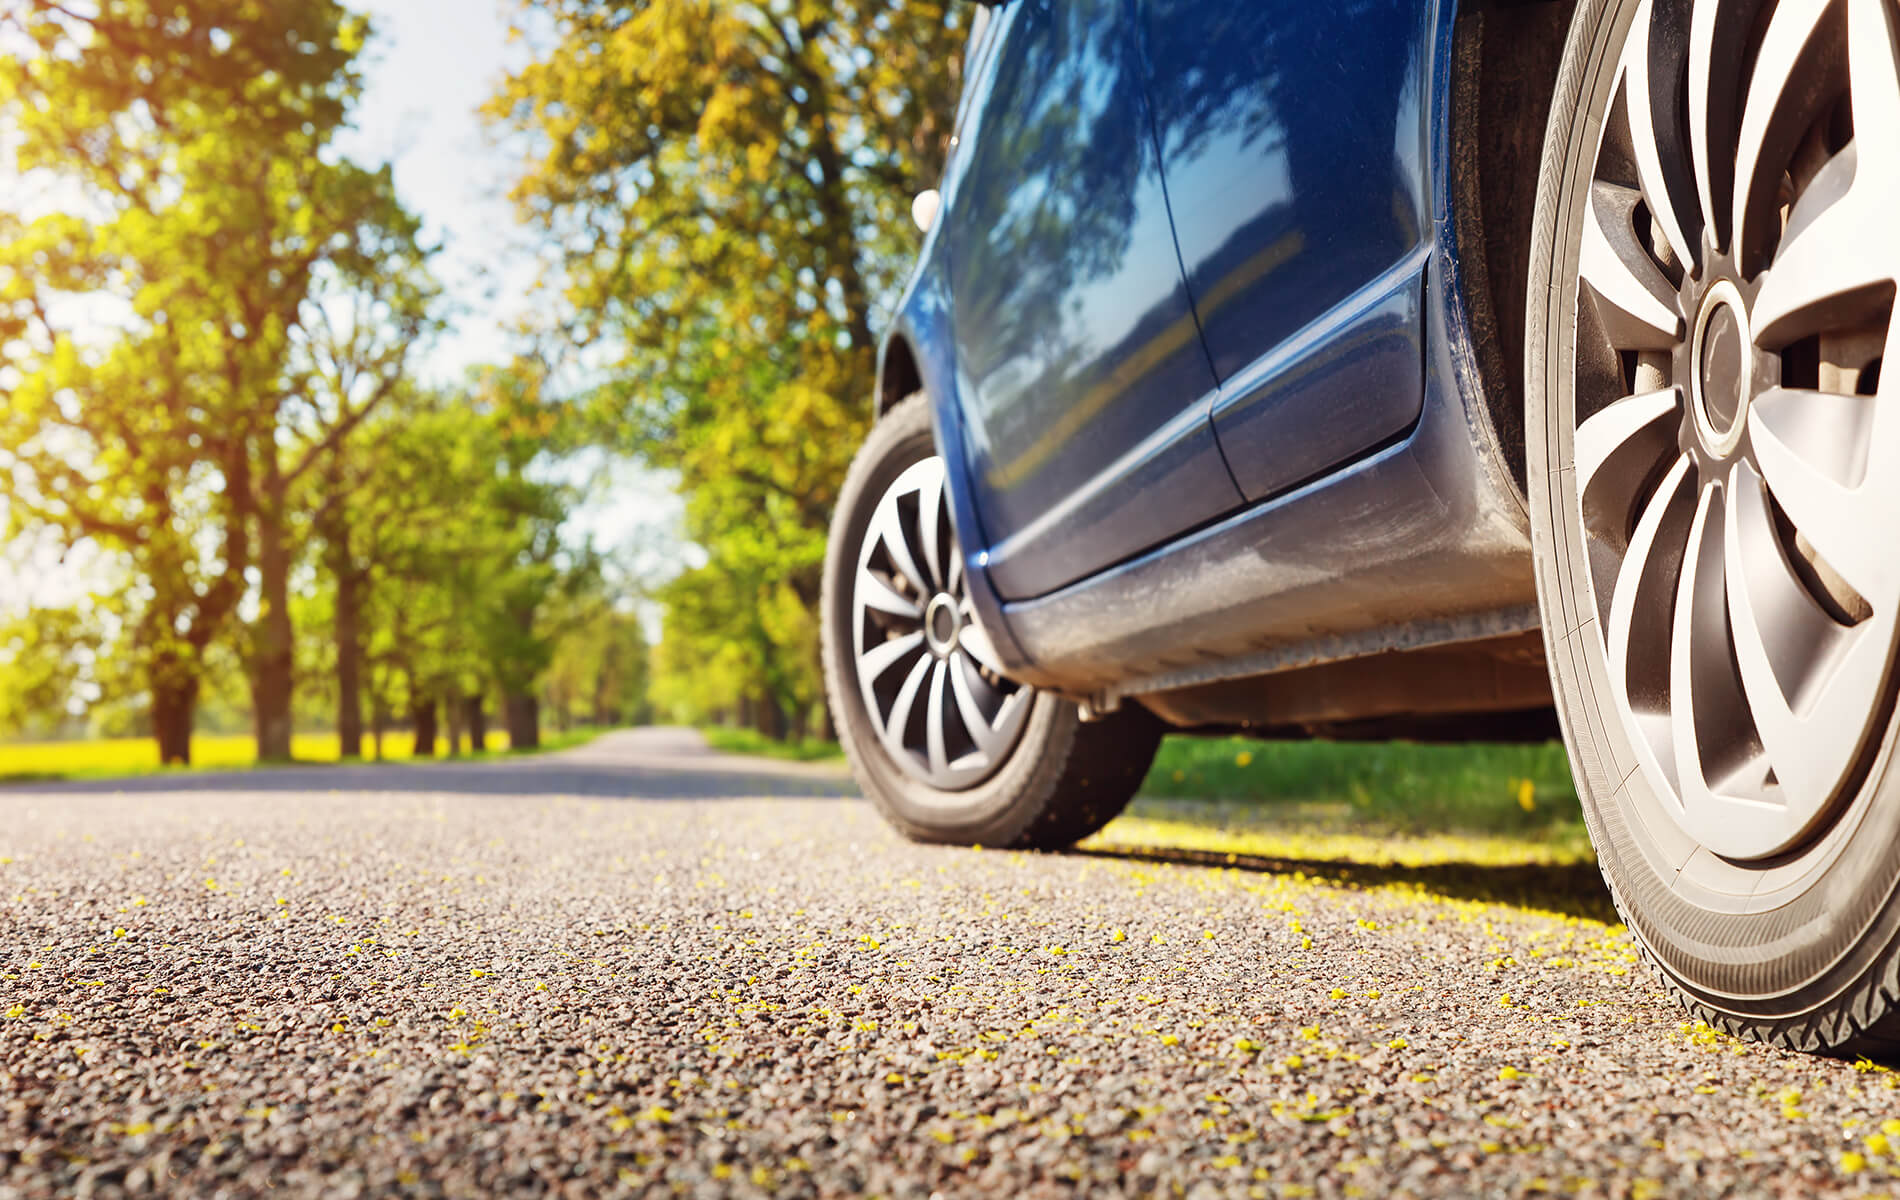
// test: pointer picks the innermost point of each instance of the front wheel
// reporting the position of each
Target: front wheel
(946, 746)
(1715, 482)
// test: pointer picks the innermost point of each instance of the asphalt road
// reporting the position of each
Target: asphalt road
(640, 966)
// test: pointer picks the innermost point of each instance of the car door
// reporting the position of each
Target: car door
(1084, 388)
(1292, 146)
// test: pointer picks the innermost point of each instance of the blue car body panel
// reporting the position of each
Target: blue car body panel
(1376, 512)
(1074, 329)
(1293, 140)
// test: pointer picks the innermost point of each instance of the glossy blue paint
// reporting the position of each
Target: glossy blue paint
(1293, 143)
(1352, 379)
(1088, 386)
(924, 327)
(1417, 534)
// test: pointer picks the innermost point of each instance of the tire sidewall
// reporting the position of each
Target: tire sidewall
(1804, 949)
(1001, 808)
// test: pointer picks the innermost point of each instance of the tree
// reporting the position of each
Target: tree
(198, 133)
(355, 333)
(528, 566)
(44, 655)
(727, 184)
(352, 362)
(598, 673)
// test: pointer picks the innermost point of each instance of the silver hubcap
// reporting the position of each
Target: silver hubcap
(928, 674)
(1737, 469)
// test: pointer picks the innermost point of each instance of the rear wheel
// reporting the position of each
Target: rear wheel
(1715, 482)
(946, 746)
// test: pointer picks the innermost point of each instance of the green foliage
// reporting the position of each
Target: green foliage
(197, 134)
(43, 659)
(727, 184)
(729, 740)
(450, 543)
(600, 667)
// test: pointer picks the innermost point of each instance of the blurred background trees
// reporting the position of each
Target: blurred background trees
(724, 187)
(211, 379)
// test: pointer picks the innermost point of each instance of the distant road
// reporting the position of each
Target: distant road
(644, 965)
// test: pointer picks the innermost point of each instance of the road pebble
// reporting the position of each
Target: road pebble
(441, 993)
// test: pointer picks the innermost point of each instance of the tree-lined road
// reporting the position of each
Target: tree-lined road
(640, 965)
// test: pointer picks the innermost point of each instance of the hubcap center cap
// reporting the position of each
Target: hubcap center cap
(1723, 373)
(942, 624)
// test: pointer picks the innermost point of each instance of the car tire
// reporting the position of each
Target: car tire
(902, 650)
(1718, 594)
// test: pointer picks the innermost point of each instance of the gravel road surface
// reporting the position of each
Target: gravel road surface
(643, 967)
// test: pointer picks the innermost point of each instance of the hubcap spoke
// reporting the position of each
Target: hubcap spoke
(1873, 58)
(1634, 299)
(927, 674)
(1830, 262)
(934, 720)
(929, 513)
(1628, 429)
(874, 662)
(1828, 514)
(1718, 37)
(1699, 690)
(1644, 586)
(897, 724)
(1782, 639)
(964, 682)
(888, 528)
(1654, 115)
(877, 594)
(1736, 510)
(1777, 112)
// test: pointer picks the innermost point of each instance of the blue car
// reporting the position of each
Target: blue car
(1403, 368)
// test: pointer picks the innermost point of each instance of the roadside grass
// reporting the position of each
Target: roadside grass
(729, 740)
(113, 758)
(1402, 786)
(1371, 804)
(1398, 804)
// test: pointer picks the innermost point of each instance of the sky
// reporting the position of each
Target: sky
(430, 66)
(433, 63)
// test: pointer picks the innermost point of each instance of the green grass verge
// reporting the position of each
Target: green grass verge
(1397, 785)
(749, 741)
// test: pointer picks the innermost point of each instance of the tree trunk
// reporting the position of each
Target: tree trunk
(173, 703)
(477, 724)
(378, 721)
(523, 715)
(422, 717)
(273, 665)
(771, 717)
(349, 663)
(454, 711)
